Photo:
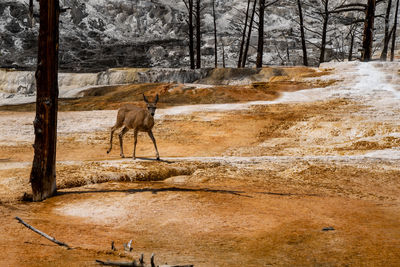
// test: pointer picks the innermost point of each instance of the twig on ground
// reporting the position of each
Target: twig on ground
(115, 263)
(152, 260)
(128, 247)
(140, 264)
(52, 239)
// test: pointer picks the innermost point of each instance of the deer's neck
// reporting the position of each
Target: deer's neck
(148, 121)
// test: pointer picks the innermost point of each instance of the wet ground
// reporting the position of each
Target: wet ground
(299, 178)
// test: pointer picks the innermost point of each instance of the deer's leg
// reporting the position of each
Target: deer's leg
(118, 124)
(121, 145)
(154, 142)
(111, 137)
(135, 134)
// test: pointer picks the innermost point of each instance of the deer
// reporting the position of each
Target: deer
(139, 119)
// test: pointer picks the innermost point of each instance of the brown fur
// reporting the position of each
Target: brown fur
(138, 119)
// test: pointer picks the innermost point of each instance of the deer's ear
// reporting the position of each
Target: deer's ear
(145, 99)
(156, 99)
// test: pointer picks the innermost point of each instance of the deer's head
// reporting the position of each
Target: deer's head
(151, 107)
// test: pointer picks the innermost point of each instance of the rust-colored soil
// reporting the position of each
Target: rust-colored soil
(251, 187)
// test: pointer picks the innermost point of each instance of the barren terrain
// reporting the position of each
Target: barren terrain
(251, 175)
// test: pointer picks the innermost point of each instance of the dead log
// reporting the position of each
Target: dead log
(140, 264)
(52, 239)
(115, 263)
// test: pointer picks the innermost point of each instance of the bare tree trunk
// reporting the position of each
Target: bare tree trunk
(191, 34)
(387, 36)
(223, 56)
(303, 39)
(246, 50)
(350, 58)
(198, 35)
(215, 37)
(366, 53)
(324, 30)
(243, 35)
(260, 46)
(394, 32)
(43, 174)
(31, 17)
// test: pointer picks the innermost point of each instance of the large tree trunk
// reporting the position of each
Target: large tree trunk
(366, 53)
(387, 36)
(324, 30)
(303, 39)
(260, 46)
(246, 50)
(43, 174)
(394, 32)
(243, 35)
(191, 34)
(198, 35)
(215, 37)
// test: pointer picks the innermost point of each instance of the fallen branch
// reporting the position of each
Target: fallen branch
(115, 263)
(52, 239)
(140, 264)
(152, 260)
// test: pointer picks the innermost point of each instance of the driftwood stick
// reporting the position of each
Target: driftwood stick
(152, 260)
(128, 246)
(52, 239)
(115, 263)
(190, 265)
(140, 264)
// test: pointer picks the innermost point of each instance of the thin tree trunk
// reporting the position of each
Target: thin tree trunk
(215, 38)
(394, 32)
(287, 54)
(31, 18)
(366, 54)
(198, 35)
(350, 58)
(243, 35)
(324, 30)
(223, 56)
(191, 35)
(303, 39)
(260, 46)
(246, 50)
(43, 174)
(387, 36)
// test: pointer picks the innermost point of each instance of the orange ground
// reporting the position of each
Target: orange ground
(207, 204)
